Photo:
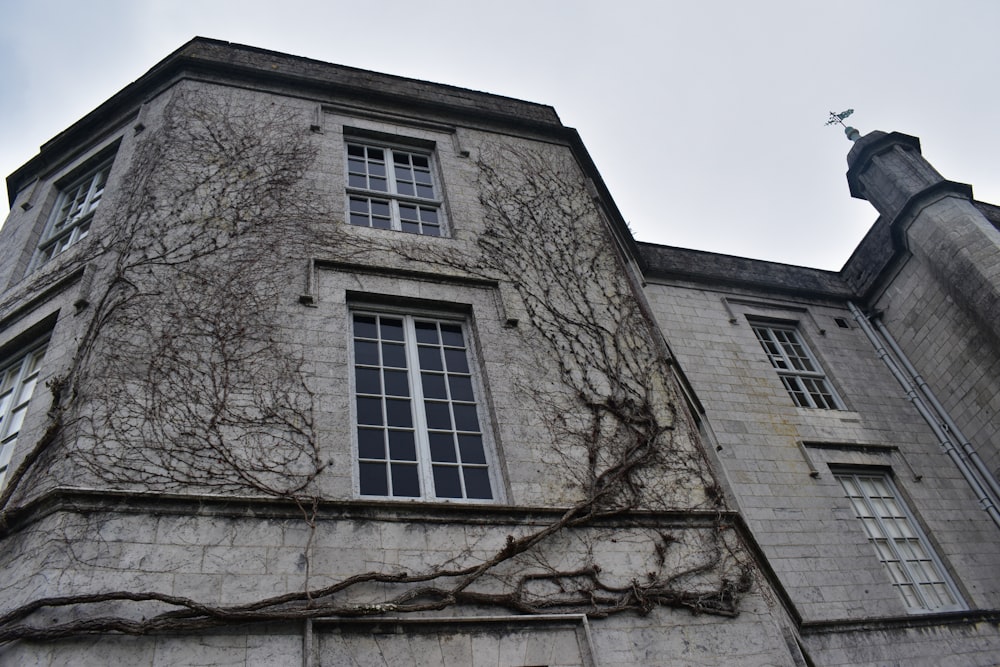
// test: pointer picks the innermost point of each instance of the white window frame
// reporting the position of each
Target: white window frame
(19, 375)
(913, 567)
(799, 370)
(422, 431)
(71, 217)
(424, 215)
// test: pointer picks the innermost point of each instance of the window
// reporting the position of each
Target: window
(419, 432)
(901, 546)
(389, 188)
(18, 377)
(74, 209)
(798, 370)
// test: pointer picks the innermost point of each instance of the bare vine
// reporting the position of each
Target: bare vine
(183, 381)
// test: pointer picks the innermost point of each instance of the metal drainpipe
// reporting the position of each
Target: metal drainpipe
(963, 441)
(918, 403)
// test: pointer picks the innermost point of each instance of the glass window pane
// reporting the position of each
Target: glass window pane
(433, 384)
(442, 448)
(465, 417)
(430, 358)
(369, 411)
(456, 361)
(367, 381)
(402, 446)
(427, 332)
(471, 448)
(398, 412)
(461, 387)
(396, 383)
(371, 443)
(366, 353)
(405, 481)
(438, 415)
(391, 328)
(373, 479)
(446, 483)
(393, 355)
(477, 483)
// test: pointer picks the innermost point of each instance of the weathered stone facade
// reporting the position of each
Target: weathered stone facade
(333, 367)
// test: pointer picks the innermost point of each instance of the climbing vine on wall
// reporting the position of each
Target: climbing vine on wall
(184, 381)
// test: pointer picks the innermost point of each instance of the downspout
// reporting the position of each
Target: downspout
(943, 439)
(925, 389)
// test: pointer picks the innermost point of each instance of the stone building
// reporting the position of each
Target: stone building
(304, 364)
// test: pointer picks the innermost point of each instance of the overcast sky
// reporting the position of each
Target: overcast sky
(704, 118)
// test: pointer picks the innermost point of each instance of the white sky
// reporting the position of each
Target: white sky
(704, 117)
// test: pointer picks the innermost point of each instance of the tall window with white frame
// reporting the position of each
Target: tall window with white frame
(73, 213)
(18, 377)
(798, 369)
(901, 546)
(418, 425)
(392, 188)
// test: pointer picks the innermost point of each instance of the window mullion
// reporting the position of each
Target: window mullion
(419, 416)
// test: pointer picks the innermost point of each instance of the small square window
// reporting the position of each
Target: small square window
(899, 543)
(799, 371)
(18, 379)
(392, 188)
(418, 421)
(71, 217)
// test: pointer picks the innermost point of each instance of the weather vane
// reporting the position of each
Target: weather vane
(838, 118)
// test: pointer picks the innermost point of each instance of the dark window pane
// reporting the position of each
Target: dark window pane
(426, 332)
(360, 220)
(396, 384)
(392, 329)
(364, 326)
(465, 417)
(398, 412)
(393, 355)
(402, 446)
(404, 480)
(461, 387)
(380, 208)
(433, 385)
(471, 448)
(371, 443)
(357, 181)
(451, 334)
(365, 353)
(446, 484)
(438, 415)
(401, 157)
(477, 483)
(407, 212)
(429, 215)
(419, 161)
(354, 149)
(409, 227)
(425, 191)
(370, 411)
(381, 223)
(430, 358)
(375, 153)
(431, 231)
(442, 447)
(373, 481)
(367, 381)
(457, 363)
